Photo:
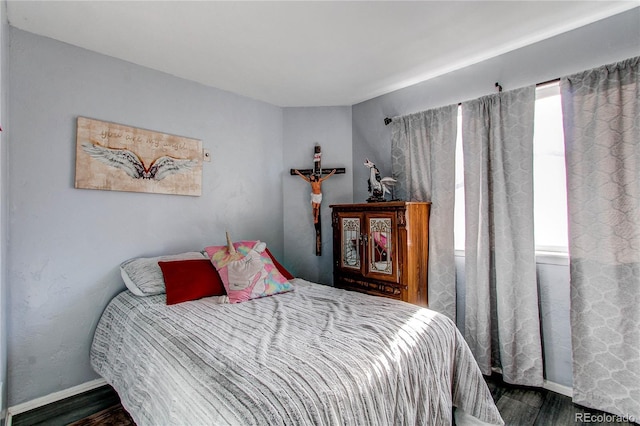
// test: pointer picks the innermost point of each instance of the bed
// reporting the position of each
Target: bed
(312, 356)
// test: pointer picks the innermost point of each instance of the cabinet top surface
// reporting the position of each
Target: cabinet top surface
(384, 204)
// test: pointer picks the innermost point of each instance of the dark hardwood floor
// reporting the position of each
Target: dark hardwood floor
(518, 405)
(69, 409)
(521, 406)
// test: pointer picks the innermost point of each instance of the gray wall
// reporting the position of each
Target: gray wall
(553, 294)
(600, 43)
(603, 42)
(65, 244)
(4, 53)
(330, 127)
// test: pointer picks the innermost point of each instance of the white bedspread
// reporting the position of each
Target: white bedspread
(314, 356)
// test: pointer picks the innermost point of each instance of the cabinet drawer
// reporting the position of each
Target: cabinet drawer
(374, 287)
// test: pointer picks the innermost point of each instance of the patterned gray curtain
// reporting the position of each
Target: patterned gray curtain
(601, 110)
(501, 314)
(423, 161)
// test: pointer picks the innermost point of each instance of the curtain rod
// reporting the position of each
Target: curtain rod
(388, 120)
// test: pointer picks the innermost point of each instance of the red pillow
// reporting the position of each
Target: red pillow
(279, 267)
(190, 280)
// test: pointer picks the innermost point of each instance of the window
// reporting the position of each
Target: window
(550, 194)
(458, 220)
(549, 177)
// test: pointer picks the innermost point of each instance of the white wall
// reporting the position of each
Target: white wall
(610, 40)
(65, 244)
(330, 127)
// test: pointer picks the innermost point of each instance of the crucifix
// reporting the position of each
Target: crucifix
(315, 178)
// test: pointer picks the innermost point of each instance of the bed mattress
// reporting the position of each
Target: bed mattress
(314, 356)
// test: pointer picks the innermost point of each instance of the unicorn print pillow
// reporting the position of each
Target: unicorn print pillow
(247, 271)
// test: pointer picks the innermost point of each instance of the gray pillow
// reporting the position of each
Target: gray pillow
(143, 276)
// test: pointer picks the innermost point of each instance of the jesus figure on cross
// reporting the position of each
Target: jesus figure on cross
(316, 191)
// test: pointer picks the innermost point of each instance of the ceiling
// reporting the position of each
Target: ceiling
(306, 53)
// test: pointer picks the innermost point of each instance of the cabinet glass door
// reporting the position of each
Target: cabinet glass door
(350, 242)
(380, 246)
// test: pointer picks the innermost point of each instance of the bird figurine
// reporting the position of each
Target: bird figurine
(375, 187)
(387, 186)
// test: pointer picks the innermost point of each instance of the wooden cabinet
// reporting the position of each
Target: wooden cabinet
(382, 249)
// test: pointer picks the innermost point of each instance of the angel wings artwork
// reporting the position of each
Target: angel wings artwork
(114, 157)
(132, 165)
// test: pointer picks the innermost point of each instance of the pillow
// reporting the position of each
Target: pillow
(280, 268)
(143, 276)
(249, 273)
(190, 280)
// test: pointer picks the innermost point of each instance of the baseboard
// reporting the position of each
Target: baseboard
(558, 388)
(52, 397)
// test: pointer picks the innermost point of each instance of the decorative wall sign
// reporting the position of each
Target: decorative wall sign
(114, 157)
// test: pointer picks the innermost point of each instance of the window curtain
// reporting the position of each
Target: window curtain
(501, 314)
(423, 161)
(602, 147)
